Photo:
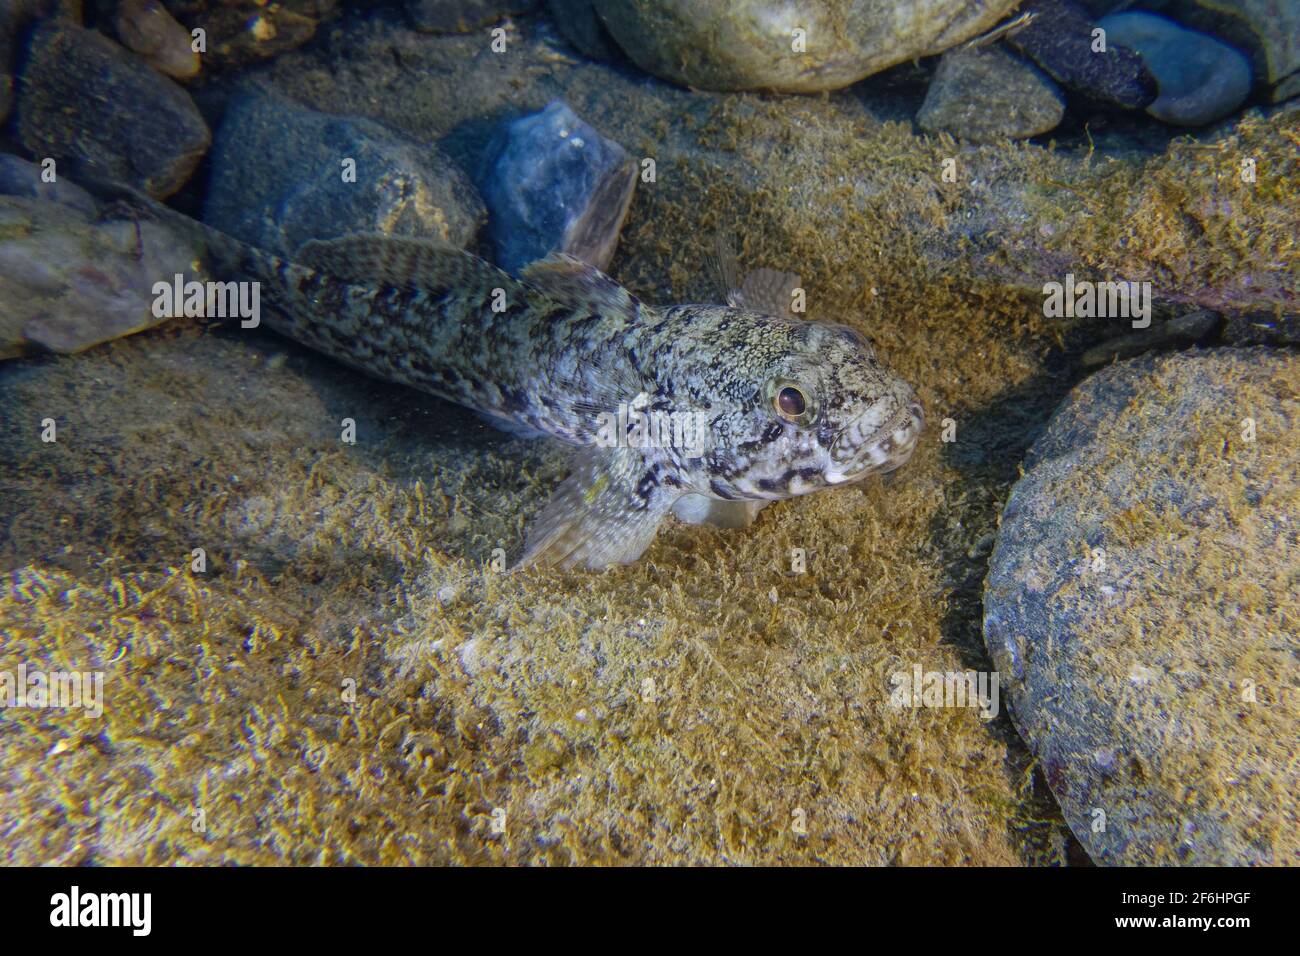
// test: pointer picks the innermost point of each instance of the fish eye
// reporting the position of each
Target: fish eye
(791, 403)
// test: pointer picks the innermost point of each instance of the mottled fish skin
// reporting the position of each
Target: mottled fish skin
(572, 345)
(564, 347)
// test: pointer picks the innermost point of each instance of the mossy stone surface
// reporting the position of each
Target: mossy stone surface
(1141, 607)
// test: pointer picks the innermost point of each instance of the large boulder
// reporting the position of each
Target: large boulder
(1141, 606)
(756, 44)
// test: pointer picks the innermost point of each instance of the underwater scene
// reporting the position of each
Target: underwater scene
(650, 432)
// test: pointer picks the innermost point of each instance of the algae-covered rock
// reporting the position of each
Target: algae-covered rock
(986, 94)
(1060, 38)
(84, 98)
(1140, 606)
(773, 44)
(462, 16)
(283, 174)
(1200, 79)
(553, 184)
(68, 283)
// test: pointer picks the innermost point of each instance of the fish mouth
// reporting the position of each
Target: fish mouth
(866, 445)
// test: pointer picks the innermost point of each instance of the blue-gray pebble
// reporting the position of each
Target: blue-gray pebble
(554, 184)
(1201, 79)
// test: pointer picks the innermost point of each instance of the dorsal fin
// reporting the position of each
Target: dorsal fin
(401, 262)
(767, 290)
(561, 276)
(762, 290)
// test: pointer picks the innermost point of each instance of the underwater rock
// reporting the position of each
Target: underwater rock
(84, 98)
(23, 179)
(283, 174)
(462, 16)
(1060, 40)
(146, 27)
(554, 184)
(1200, 79)
(1182, 330)
(1267, 30)
(986, 95)
(582, 26)
(772, 44)
(67, 282)
(1137, 605)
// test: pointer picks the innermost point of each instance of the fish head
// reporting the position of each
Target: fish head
(823, 411)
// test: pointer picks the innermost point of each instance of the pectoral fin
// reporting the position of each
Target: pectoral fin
(701, 509)
(606, 512)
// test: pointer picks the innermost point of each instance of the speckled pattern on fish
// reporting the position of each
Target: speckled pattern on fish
(788, 406)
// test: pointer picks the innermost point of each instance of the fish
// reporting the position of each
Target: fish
(708, 412)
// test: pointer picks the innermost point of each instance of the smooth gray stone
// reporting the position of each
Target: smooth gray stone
(1200, 79)
(554, 184)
